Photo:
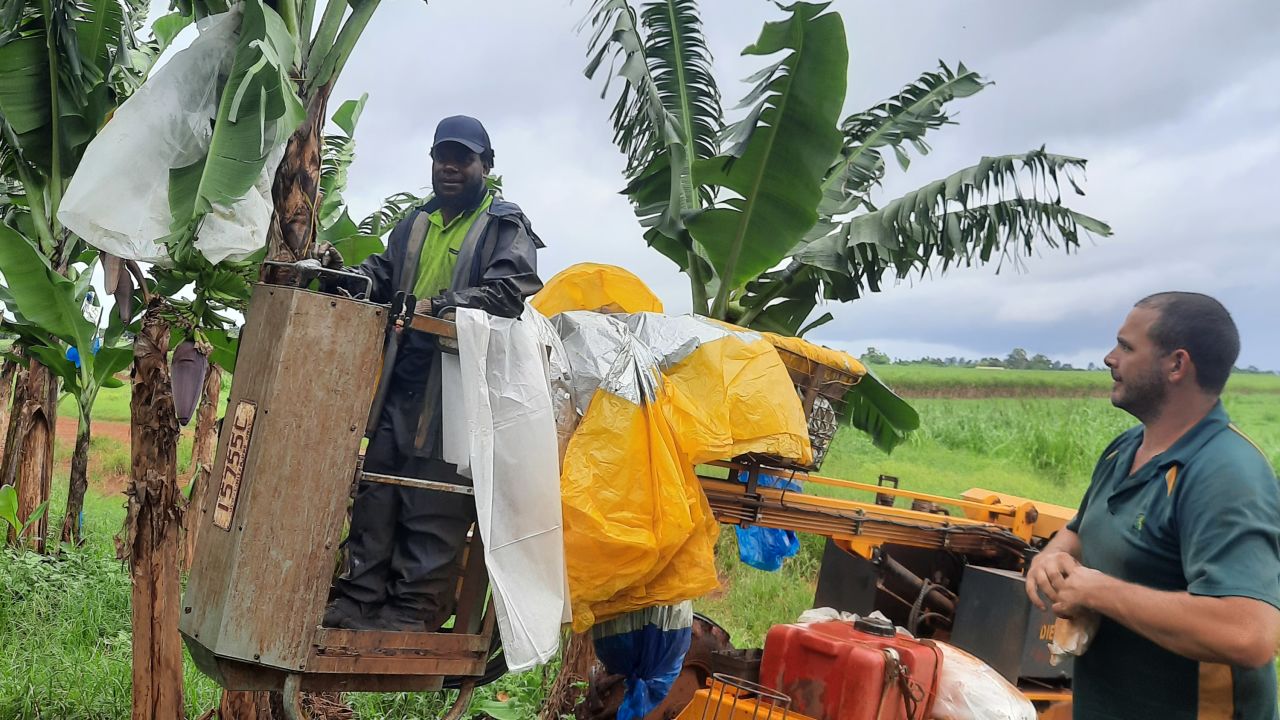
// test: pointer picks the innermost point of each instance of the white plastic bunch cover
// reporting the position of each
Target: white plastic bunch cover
(118, 200)
(969, 689)
(825, 614)
(508, 428)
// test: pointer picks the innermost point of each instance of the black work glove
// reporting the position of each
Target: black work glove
(329, 256)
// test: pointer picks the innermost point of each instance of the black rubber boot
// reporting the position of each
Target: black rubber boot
(394, 618)
(347, 614)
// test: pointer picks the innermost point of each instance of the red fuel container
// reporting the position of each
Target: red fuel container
(852, 671)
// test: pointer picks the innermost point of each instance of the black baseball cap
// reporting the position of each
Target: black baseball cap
(465, 130)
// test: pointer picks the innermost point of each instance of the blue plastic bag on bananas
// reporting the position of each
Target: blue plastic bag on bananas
(648, 648)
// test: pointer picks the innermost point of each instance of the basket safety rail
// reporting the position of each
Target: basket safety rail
(733, 698)
(358, 277)
(416, 483)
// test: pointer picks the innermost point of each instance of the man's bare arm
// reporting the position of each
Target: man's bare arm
(1233, 630)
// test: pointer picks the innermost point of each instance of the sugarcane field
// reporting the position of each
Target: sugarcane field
(638, 360)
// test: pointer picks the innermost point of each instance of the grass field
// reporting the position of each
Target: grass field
(64, 624)
(113, 403)
(920, 380)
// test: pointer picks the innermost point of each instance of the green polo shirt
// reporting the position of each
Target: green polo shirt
(440, 249)
(1201, 517)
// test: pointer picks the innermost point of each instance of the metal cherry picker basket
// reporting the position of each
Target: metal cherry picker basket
(272, 520)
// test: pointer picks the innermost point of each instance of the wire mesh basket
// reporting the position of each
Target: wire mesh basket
(822, 389)
(733, 698)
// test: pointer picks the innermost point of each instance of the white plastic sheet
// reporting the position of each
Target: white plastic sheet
(455, 446)
(510, 430)
(968, 689)
(560, 381)
(118, 200)
(826, 614)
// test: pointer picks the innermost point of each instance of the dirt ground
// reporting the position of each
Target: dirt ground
(107, 483)
(118, 431)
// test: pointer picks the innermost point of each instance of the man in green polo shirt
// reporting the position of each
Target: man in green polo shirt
(1177, 541)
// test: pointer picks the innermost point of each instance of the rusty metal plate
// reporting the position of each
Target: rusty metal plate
(255, 594)
(241, 433)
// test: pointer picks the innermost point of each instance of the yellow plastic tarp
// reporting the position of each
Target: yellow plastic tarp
(819, 354)
(592, 286)
(637, 528)
(733, 397)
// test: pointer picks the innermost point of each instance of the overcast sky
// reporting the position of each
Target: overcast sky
(1173, 103)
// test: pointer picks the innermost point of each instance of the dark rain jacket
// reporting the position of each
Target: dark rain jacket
(497, 268)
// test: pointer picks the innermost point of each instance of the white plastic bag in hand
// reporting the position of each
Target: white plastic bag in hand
(1072, 636)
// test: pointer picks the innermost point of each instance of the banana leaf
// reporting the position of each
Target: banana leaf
(781, 152)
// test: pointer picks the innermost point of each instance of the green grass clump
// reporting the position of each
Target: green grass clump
(112, 457)
(64, 636)
(65, 627)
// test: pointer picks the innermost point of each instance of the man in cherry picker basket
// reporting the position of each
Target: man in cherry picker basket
(466, 247)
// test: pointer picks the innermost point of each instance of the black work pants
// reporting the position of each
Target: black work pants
(404, 542)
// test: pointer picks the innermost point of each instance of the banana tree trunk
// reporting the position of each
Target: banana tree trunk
(8, 380)
(13, 411)
(250, 706)
(296, 196)
(203, 447)
(149, 540)
(71, 526)
(35, 472)
(28, 464)
(296, 190)
(570, 687)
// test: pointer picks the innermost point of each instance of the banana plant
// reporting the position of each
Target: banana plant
(65, 65)
(266, 134)
(775, 213)
(318, 60)
(17, 527)
(354, 241)
(47, 314)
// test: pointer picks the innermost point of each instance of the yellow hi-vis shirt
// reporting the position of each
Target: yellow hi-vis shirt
(440, 249)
